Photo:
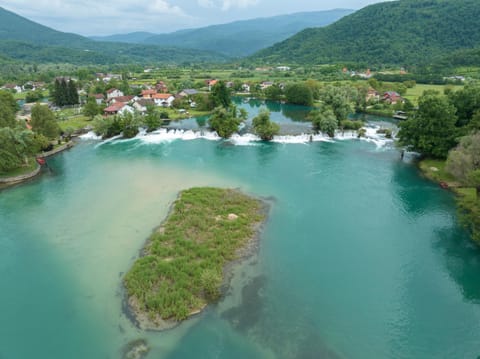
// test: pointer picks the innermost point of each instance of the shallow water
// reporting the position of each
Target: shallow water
(360, 258)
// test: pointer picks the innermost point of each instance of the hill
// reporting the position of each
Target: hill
(239, 38)
(17, 28)
(406, 32)
(25, 40)
(131, 38)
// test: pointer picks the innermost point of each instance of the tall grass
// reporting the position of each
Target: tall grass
(182, 267)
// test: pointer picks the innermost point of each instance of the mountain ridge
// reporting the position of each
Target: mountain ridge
(406, 32)
(25, 40)
(239, 38)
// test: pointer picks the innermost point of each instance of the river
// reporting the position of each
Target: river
(360, 258)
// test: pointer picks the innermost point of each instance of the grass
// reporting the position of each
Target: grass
(32, 165)
(75, 123)
(435, 170)
(182, 267)
(468, 203)
(415, 92)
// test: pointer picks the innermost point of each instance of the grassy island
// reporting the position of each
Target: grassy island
(181, 267)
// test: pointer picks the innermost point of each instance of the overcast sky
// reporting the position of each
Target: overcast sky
(105, 17)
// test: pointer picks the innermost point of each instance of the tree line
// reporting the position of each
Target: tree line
(19, 145)
(447, 126)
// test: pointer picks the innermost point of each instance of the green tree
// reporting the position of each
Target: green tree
(91, 108)
(220, 95)
(18, 145)
(72, 93)
(152, 119)
(263, 127)
(339, 99)
(33, 96)
(273, 92)
(467, 102)
(465, 159)
(299, 94)
(130, 125)
(224, 121)
(325, 121)
(431, 131)
(43, 121)
(8, 108)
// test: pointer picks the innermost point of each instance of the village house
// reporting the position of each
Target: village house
(118, 108)
(109, 77)
(13, 87)
(141, 105)
(161, 87)
(246, 88)
(148, 93)
(99, 98)
(229, 84)
(163, 99)
(266, 84)
(187, 93)
(124, 99)
(114, 93)
(372, 95)
(392, 97)
(210, 84)
(283, 68)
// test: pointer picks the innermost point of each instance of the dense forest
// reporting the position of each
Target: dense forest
(407, 32)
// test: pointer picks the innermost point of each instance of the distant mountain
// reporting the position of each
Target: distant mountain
(17, 28)
(131, 38)
(22, 39)
(240, 38)
(402, 32)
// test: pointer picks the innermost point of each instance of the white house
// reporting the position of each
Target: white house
(163, 99)
(283, 68)
(266, 84)
(140, 105)
(17, 88)
(114, 93)
(127, 109)
(99, 98)
(246, 88)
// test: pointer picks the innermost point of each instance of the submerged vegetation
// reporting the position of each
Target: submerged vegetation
(181, 269)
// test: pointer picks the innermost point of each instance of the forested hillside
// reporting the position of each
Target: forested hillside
(405, 32)
(25, 40)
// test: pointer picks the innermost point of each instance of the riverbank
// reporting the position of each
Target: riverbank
(34, 170)
(29, 173)
(183, 265)
(468, 203)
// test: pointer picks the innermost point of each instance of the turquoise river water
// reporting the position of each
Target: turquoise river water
(360, 258)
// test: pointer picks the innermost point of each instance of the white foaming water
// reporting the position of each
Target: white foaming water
(112, 139)
(165, 136)
(247, 139)
(371, 135)
(302, 139)
(90, 136)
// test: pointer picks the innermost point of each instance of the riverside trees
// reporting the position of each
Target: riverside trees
(263, 127)
(17, 144)
(43, 121)
(431, 131)
(225, 121)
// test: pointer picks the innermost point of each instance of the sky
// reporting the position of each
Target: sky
(106, 17)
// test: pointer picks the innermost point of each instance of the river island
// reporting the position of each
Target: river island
(183, 265)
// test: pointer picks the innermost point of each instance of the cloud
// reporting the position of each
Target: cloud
(163, 7)
(226, 5)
